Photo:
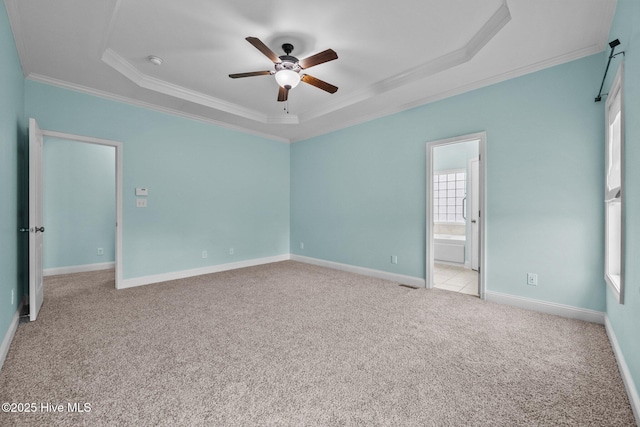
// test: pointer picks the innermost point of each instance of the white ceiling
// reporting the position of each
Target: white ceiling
(392, 55)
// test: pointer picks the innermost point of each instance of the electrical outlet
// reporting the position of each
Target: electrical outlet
(141, 203)
(231, 251)
(301, 245)
(100, 251)
(204, 254)
(13, 297)
(394, 259)
(532, 279)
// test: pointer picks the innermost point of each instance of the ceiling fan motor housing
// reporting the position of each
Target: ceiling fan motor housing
(288, 63)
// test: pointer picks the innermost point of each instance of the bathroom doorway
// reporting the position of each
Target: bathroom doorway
(455, 224)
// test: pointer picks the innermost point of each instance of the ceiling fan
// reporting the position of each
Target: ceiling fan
(288, 68)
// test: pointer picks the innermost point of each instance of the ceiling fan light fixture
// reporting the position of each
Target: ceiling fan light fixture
(288, 78)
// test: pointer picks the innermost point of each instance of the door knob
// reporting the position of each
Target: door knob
(473, 221)
(41, 229)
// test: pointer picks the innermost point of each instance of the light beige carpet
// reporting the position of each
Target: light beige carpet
(289, 344)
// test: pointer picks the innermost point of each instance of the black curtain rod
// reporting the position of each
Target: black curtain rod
(612, 45)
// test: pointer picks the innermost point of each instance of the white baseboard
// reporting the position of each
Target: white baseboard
(563, 310)
(164, 277)
(78, 268)
(394, 277)
(8, 336)
(627, 379)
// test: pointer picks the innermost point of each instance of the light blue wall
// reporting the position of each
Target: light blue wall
(625, 319)
(210, 188)
(457, 156)
(79, 203)
(11, 170)
(358, 194)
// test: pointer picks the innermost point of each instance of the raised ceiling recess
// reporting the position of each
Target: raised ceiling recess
(392, 55)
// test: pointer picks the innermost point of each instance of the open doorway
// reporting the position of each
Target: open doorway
(36, 229)
(79, 207)
(455, 224)
(73, 145)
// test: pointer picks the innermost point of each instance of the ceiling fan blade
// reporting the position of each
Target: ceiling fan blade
(251, 74)
(319, 83)
(318, 58)
(283, 94)
(264, 49)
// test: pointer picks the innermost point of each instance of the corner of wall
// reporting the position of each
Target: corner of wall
(12, 168)
(625, 373)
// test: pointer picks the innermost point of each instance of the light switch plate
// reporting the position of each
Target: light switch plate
(142, 191)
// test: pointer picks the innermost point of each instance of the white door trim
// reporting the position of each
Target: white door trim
(474, 204)
(118, 147)
(482, 138)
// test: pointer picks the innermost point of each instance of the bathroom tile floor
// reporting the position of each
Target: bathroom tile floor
(456, 279)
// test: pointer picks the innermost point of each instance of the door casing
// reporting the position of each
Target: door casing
(481, 137)
(119, 168)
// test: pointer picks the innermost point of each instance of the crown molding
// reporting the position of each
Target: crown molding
(106, 36)
(594, 49)
(124, 67)
(126, 100)
(314, 120)
(488, 31)
(519, 72)
(460, 56)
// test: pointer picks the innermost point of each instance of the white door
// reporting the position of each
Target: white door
(36, 230)
(475, 209)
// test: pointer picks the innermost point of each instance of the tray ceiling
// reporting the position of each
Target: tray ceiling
(392, 55)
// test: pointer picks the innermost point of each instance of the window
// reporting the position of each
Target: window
(613, 194)
(449, 196)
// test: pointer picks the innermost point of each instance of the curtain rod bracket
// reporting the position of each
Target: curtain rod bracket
(612, 45)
